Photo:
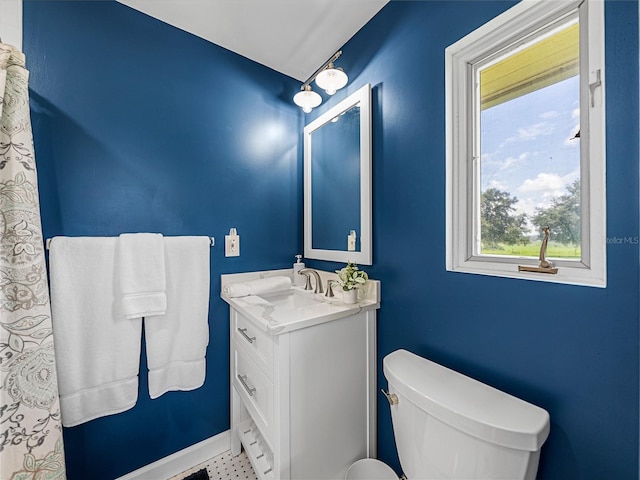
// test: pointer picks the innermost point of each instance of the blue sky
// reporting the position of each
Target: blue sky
(526, 146)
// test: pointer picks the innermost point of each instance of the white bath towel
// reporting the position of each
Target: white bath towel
(97, 349)
(177, 341)
(257, 287)
(142, 274)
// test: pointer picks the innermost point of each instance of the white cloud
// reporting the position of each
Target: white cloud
(548, 115)
(498, 184)
(508, 162)
(512, 160)
(549, 184)
(526, 205)
(542, 183)
(534, 131)
(506, 142)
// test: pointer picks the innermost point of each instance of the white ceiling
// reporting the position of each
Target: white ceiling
(294, 37)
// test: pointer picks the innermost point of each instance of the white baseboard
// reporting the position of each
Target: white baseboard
(178, 462)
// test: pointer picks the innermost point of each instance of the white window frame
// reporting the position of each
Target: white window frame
(462, 187)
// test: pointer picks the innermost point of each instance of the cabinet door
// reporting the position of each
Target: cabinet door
(255, 391)
(330, 400)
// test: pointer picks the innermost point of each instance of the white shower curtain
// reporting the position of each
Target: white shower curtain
(30, 429)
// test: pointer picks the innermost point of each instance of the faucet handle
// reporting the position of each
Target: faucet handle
(329, 288)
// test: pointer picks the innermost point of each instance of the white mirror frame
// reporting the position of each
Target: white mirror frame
(365, 255)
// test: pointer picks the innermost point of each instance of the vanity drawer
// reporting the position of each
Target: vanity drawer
(255, 389)
(257, 343)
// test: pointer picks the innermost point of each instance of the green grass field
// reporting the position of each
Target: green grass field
(554, 250)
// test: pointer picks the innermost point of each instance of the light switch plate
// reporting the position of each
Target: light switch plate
(232, 245)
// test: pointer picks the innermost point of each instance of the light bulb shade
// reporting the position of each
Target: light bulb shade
(331, 79)
(307, 99)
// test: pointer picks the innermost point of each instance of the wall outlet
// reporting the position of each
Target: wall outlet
(232, 245)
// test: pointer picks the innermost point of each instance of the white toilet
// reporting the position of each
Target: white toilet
(449, 426)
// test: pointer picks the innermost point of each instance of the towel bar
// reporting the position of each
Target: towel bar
(47, 243)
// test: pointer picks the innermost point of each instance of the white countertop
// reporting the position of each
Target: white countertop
(288, 310)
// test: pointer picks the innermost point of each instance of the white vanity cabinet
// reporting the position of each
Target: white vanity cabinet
(303, 394)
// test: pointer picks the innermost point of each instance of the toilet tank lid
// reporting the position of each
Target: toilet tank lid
(467, 404)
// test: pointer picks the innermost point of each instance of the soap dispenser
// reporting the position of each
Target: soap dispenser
(298, 279)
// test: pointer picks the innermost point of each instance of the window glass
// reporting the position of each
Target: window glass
(529, 175)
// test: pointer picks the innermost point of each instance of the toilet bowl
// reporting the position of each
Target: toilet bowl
(449, 426)
(370, 469)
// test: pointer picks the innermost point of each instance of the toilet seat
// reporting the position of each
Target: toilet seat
(370, 469)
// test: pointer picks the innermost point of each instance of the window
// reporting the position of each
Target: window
(526, 143)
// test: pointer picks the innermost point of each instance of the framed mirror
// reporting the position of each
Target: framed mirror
(337, 182)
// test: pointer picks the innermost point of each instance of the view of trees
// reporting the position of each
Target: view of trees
(562, 217)
(498, 221)
(501, 224)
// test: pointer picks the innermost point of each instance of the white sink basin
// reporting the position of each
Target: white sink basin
(291, 299)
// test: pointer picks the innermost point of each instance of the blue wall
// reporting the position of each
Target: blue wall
(572, 350)
(137, 129)
(141, 127)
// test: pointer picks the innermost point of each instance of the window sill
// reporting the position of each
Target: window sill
(571, 273)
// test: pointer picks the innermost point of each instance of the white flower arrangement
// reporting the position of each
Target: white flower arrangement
(351, 277)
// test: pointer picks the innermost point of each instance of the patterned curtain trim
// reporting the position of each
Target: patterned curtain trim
(31, 446)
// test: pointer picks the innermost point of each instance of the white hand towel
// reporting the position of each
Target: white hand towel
(142, 274)
(177, 341)
(97, 350)
(257, 287)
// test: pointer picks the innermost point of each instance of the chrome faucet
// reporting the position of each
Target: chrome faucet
(306, 272)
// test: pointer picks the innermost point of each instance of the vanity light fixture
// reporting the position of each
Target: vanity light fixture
(327, 77)
(307, 99)
(331, 79)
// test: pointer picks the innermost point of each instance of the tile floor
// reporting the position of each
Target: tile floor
(224, 467)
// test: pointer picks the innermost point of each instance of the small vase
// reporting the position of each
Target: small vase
(350, 296)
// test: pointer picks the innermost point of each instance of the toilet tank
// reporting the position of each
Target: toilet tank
(449, 426)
